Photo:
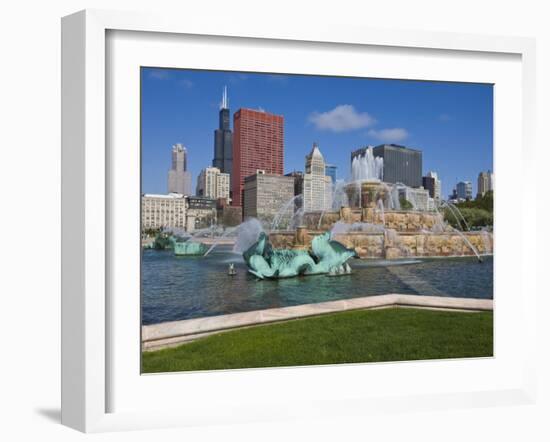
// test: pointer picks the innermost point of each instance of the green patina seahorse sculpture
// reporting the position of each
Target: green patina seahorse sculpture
(326, 256)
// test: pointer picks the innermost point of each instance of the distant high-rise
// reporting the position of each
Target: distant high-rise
(484, 182)
(330, 170)
(264, 195)
(317, 185)
(223, 139)
(298, 181)
(212, 183)
(464, 190)
(158, 211)
(400, 164)
(433, 184)
(257, 145)
(179, 178)
(453, 196)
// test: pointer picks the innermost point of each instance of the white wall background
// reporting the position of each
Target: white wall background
(30, 214)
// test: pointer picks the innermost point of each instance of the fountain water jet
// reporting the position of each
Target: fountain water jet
(367, 166)
(293, 205)
(248, 233)
(227, 232)
(454, 210)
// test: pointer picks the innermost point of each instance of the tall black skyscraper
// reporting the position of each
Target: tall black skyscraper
(223, 139)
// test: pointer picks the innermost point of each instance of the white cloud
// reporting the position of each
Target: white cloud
(389, 135)
(186, 83)
(159, 74)
(342, 118)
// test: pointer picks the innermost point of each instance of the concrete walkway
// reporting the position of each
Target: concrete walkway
(168, 334)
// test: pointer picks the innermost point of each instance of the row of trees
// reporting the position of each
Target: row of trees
(478, 213)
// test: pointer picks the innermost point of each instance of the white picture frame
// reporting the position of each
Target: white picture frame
(86, 216)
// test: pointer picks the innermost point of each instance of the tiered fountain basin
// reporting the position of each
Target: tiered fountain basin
(367, 193)
(399, 220)
(387, 235)
(408, 244)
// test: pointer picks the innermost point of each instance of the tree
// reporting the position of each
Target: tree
(405, 203)
(484, 202)
(475, 217)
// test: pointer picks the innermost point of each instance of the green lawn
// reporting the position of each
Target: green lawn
(393, 334)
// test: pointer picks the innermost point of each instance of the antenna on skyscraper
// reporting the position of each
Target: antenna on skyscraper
(225, 104)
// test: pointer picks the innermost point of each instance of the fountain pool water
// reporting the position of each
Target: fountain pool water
(174, 288)
(189, 248)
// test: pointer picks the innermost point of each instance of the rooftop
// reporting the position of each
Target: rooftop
(164, 196)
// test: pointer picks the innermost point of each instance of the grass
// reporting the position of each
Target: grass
(394, 334)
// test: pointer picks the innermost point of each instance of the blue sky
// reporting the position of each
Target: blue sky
(452, 123)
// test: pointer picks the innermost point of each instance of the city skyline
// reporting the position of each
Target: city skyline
(182, 106)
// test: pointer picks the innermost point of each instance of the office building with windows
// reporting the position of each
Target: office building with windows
(212, 183)
(464, 190)
(432, 183)
(266, 194)
(201, 213)
(257, 145)
(484, 182)
(179, 178)
(400, 164)
(317, 185)
(330, 170)
(163, 211)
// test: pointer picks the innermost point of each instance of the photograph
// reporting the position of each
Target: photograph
(286, 222)
(303, 220)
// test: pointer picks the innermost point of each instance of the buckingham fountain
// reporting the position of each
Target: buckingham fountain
(365, 221)
(367, 217)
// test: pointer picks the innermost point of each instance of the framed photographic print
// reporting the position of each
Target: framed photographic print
(291, 222)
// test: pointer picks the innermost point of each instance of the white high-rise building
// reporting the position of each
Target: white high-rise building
(317, 185)
(418, 197)
(179, 178)
(212, 183)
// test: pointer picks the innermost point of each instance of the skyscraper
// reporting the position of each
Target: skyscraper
(484, 183)
(179, 178)
(330, 170)
(223, 139)
(317, 185)
(464, 190)
(257, 145)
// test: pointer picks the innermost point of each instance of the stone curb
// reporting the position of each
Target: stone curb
(172, 333)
